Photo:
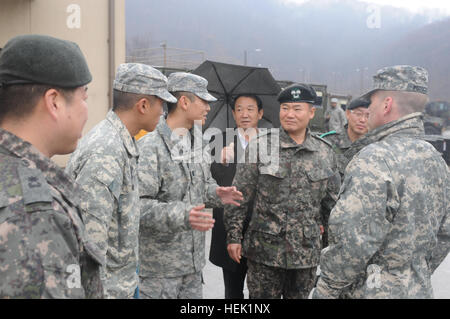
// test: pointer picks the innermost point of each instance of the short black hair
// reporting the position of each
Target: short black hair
(19, 100)
(125, 101)
(252, 96)
(172, 106)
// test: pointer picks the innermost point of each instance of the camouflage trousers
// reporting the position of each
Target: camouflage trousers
(183, 287)
(265, 282)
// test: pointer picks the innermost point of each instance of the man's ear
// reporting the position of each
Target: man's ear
(143, 106)
(53, 101)
(313, 112)
(387, 105)
(260, 114)
(183, 102)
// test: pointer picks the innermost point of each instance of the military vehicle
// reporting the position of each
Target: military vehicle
(436, 122)
(437, 117)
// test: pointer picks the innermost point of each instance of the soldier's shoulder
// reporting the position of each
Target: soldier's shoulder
(322, 140)
(9, 180)
(150, 139)
(19, 182)
(103, 133)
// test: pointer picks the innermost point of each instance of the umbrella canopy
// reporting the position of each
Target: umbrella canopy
(226, 81)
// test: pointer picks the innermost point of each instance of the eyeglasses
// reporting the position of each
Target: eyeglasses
(360, 114)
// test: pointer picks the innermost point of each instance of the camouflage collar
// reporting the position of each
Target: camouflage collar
(345, 141)
(166, 133)
(32, 158)
(128, 141)
(287, 142)
(409, 125)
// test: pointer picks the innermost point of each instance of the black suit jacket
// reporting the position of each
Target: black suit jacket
(224, 176)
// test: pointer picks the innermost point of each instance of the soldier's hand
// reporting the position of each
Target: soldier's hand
(200, 220)
(228, 154)
(229, 195)
(234, 250)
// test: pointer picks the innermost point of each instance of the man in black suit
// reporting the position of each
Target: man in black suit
(247, 111)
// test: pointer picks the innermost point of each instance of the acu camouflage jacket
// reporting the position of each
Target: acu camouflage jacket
(170, 185)
(105, 165)
(390, 228)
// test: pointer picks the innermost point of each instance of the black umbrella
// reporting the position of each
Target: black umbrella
(226, 81)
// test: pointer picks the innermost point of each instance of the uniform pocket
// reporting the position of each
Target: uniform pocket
(270, 184)
(318, 179)
(63, 282)
(266, 224)
(311, 235)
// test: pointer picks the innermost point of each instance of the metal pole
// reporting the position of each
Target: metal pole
(112, 49)
(164, 46)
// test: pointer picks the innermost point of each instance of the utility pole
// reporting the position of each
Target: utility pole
(362, 78)
(164, 46)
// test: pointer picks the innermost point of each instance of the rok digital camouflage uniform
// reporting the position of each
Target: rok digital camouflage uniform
(390, 229)
(173, 179)
(341, 141)
(44, 251)
(105, 165)
(291, 200)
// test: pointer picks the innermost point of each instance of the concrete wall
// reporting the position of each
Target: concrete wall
(85, 22)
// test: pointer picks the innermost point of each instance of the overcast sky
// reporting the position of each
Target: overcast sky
(413, 5)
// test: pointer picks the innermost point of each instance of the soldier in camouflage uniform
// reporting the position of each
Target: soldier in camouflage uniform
(357, 115)
(390, 229)
(335, 117)
(282, 243)
(356, 127)
(44, 251)
(174, 187)
(105, 165)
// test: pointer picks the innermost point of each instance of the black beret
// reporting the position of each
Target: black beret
(359, 102)
(40, 59)
(297, 93)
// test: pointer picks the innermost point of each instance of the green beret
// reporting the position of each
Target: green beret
(40, 59)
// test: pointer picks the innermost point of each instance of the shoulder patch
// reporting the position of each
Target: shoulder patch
(34, 186)
(320, 138)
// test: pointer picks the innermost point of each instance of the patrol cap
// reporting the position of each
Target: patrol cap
(142, 79)
(188, 82)
(359, 102)
(297, 93)
(404, 78)
(41, 59)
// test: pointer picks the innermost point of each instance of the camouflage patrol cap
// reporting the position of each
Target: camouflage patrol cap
(188, 82)
(142, 79)
(41, 59)
(404, 78)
